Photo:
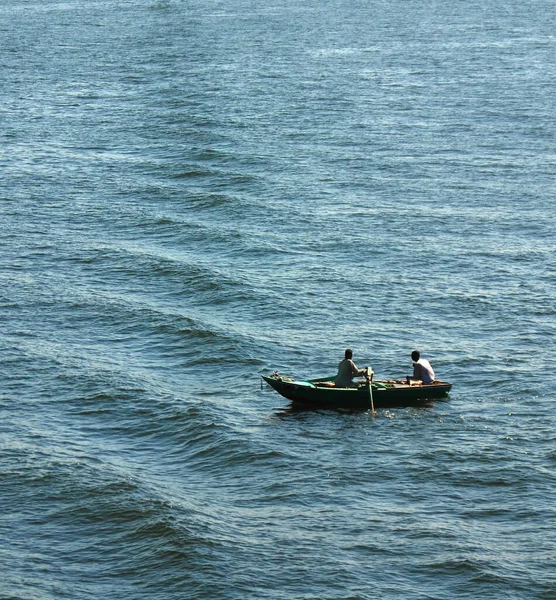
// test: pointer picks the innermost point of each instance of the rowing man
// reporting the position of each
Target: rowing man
(347, 370)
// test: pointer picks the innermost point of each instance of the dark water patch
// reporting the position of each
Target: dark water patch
(193, 173)
(196, 201)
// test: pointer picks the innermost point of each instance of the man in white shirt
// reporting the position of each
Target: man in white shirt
(422, 369)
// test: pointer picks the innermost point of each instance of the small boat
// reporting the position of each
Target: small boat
(322, 393)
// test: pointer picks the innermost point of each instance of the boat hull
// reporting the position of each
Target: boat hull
(317, 393)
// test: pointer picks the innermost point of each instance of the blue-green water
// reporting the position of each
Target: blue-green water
(197, 193)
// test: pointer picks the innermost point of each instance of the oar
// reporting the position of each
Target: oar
(369, 378)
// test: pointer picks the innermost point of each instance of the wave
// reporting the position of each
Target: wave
(101, 520)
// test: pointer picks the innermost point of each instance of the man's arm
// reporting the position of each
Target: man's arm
(355, 371)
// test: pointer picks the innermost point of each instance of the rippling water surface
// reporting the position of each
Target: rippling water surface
(197, 193)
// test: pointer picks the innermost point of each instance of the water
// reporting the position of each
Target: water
(197, 193)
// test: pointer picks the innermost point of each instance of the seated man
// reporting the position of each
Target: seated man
(422, 370)
(347, 370)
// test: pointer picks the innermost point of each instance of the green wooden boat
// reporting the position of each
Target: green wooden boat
(321, 393)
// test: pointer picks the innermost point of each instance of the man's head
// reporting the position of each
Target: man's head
(348, 353)
(415, 355)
